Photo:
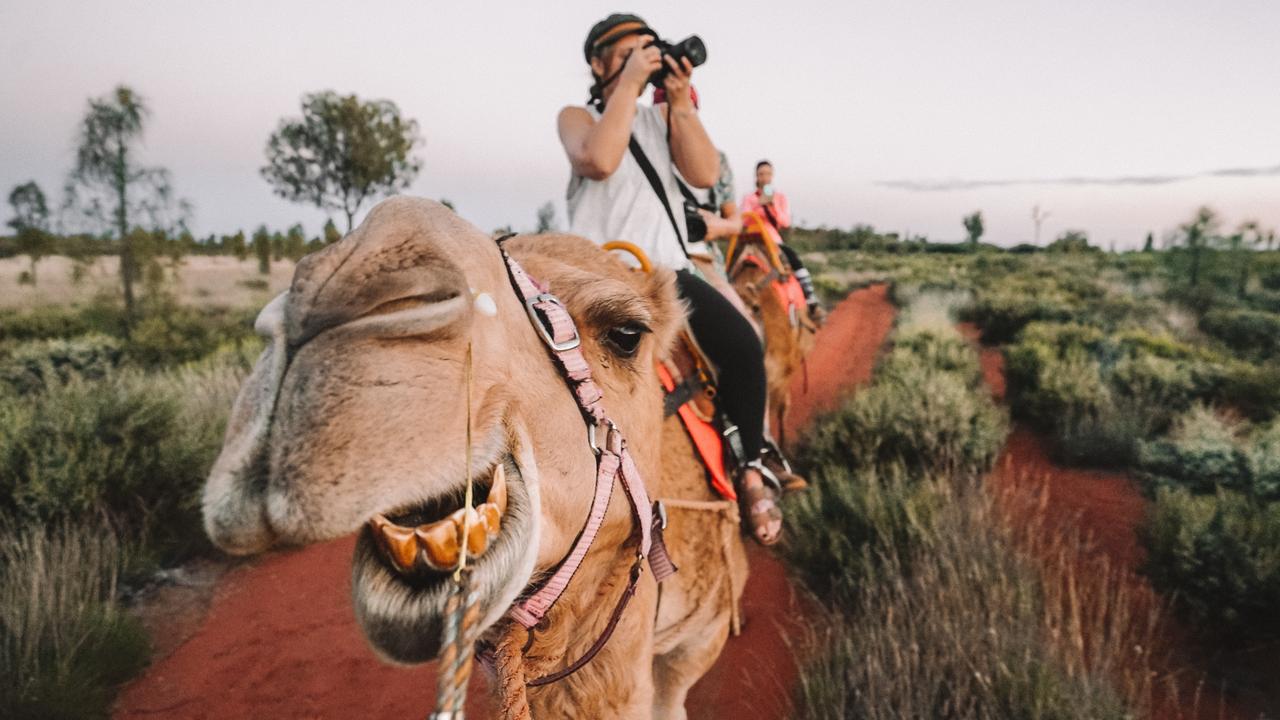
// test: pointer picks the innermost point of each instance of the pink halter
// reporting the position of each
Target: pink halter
(613, 462)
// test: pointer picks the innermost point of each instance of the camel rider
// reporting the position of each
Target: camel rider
(615, 147)
(719, 207)
(773, 204)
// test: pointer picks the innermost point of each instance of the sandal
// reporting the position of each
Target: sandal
(760, 504)
(774, 460)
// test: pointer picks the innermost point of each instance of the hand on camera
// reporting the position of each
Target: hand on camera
(677, 83)
(641, 64)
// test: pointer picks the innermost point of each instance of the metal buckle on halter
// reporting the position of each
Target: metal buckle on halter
(591, 435)
(545, 328)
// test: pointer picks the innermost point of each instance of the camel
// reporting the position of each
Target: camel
(356, 411)
(787, 331)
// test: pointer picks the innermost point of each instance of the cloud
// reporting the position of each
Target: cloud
(1130, 180)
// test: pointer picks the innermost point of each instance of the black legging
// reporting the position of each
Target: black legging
(793, 257)
(731, 343)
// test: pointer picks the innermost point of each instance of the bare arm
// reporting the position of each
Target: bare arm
(596, 147)
(691, 147)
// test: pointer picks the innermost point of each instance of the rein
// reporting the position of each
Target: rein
(614, 465)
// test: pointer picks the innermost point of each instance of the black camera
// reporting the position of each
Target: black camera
(694, 223)
(691, 47)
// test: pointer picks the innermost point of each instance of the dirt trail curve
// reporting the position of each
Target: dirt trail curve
(280, 639)
(1108, 506)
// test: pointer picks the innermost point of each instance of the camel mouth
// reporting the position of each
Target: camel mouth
(438, 535)
(403, 565)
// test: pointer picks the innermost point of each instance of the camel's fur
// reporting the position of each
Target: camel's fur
(785, 344)
(358, 406)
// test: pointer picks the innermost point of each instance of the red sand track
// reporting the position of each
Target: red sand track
(1108, 507)
(280, 639)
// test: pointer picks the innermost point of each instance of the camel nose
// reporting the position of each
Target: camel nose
(391, 288)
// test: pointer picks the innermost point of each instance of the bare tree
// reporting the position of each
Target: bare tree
(112, 189)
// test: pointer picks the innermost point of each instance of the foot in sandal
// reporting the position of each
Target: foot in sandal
(759, 500)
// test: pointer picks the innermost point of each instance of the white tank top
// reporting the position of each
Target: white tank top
(624, 206)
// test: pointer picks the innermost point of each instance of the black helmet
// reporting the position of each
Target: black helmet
(611, 29)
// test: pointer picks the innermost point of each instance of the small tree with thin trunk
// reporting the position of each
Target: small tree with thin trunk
(30, 222)
(546, 217)
(342, 152)
(1196, 236)
(111, 189)
(973, 226)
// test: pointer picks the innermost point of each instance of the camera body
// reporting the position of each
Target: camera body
(691, 47)
(695, 225)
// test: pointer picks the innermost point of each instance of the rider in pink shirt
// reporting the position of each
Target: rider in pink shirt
(774, 206)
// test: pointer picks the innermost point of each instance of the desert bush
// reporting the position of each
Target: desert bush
(33, 366)
(841, 530)
(967, 625)
(927, 417)
(1107, 434)
(49, 322)
(64, 643)
(171, 334)
(1003, 313)
(1218, 557)
(136, 445)
(1252, 333)
(1205, 452)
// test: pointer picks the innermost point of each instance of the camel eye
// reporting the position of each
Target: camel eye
(624, 341)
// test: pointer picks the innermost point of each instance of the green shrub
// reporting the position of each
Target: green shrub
(1002, 314)
(1107, 435)
(842, 527)
(1252, 333)
(925, 418)
(64, 643)
(1204, 453)
(174, 334)
(953, 626)
(136, 445)
(1218, 556)
(34, 365)
(55, 321)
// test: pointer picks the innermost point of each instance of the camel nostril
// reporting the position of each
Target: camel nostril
(415, 301)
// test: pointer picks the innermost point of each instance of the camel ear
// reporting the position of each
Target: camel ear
(668, 311)
(235, 494)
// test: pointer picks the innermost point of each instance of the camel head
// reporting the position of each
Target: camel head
(354, 418)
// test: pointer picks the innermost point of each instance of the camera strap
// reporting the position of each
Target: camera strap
(654, 182)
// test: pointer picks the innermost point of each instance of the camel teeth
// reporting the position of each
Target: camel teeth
(498, 490)
(491, 518)
(439, 545)
(477, 534)
(397, 542)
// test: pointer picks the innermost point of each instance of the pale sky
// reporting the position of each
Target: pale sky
(905, 115)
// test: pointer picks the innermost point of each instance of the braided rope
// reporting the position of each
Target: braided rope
(462, 610)
(508, 656)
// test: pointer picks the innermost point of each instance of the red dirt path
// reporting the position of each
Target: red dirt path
(1108, 507)
(280, 638)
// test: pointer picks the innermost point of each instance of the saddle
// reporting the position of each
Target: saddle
(688, 378)
(757, 246)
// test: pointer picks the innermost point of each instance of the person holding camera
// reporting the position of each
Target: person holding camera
(623, 186)
(773, 204)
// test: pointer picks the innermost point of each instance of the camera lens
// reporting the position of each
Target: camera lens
(693, 48)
